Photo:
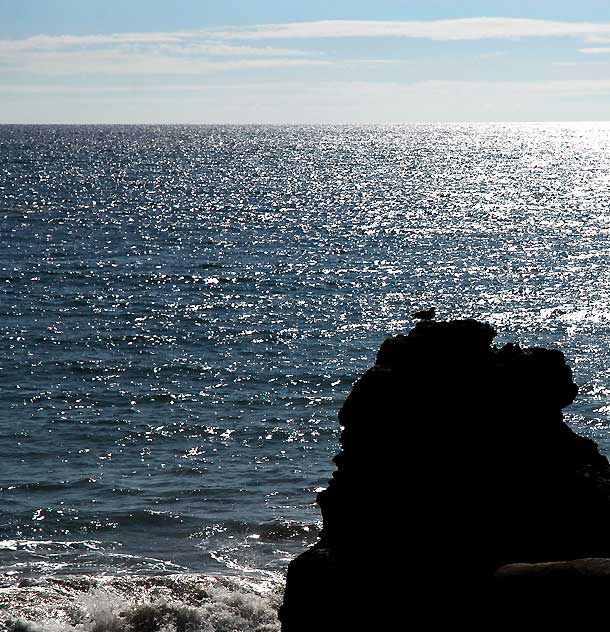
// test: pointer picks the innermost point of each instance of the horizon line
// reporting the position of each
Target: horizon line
(302, 124)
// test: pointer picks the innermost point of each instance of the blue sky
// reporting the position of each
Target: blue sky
(283, 61)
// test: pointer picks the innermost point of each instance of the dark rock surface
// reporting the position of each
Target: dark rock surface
(572, 571)
(455, 461)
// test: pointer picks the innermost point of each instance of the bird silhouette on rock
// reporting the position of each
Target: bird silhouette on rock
(424, 314)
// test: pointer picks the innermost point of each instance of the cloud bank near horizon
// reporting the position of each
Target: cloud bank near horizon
(334, 102)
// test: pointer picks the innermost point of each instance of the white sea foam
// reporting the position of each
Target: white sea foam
(173, 603)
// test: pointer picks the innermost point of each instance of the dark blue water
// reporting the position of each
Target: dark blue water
(184, 308)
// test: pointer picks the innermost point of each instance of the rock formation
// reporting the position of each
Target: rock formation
(455, 462)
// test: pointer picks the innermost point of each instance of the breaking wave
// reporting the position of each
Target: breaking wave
(171, 603)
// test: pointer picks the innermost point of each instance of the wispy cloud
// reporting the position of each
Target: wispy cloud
(595, 51)
(597, 39)
(57, 42)
(179, 42)
(447, 30)
(122, 62)
(144, 53)
(222, 49)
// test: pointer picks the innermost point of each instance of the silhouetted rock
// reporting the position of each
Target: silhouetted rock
(455, 461)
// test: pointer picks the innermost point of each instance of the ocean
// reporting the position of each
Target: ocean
(184, 308)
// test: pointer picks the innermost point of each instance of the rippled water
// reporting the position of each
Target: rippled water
(184, 309)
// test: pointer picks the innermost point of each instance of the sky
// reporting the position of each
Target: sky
(289, 61)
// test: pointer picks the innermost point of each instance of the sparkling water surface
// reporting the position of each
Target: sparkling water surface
(185, 307)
